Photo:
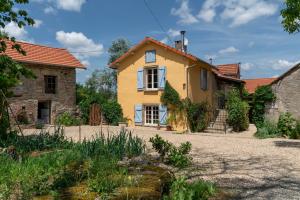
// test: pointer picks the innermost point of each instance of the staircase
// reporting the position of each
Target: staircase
(218, 122)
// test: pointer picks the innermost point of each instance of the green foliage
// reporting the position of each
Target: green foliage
(196, 115)
(267, 129)
(67, 119)
(65, 163)
(286, 124)
(10, 71)
(168, 152)
(112, 112)
(296, 133)
(237, 111)
(199, 190)
(261, 97)
(170, 97)
(291, 16)
(117, 49)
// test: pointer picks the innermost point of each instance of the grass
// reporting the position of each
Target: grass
(63, 163)
(267, 130)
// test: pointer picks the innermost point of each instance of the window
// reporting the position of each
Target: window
(203, 79)
(50, 84)
(150, 56)
(151, 115)
(151, 78)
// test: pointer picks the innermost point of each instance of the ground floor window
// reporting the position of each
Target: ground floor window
(151, 115)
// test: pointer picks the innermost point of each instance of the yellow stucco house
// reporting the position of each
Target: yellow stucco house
(142, 73)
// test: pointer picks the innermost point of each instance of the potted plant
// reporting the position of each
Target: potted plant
(124, 122)
(169, 123)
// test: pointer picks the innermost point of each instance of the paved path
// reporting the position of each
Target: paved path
(254, 169)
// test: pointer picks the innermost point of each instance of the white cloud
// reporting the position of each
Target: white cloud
(184, 13)
(282, 64)
(81, 46)
(49, 10)
(13, 30)
(275, 76)
(173, 33)
(37, 23)
(228, 50)
(70, 5)
(246, 66)
(86, 63)
(239, 12)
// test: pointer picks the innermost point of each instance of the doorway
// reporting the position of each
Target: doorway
(44, 110)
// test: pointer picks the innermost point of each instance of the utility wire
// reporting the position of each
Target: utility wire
(157, 20)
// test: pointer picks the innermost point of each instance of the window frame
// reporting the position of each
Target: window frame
(154, 115)
(204, 85)
(53, 84)
(146, 78)
(152, 61)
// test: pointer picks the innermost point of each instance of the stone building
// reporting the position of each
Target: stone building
(54, 89)
(287, 91)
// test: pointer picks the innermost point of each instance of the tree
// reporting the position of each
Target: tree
(10, 71)
(104, 82)
(291, 16)
(117, 49)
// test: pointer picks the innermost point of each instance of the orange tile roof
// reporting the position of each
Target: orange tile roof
(252, 84)
(229, 69)
(39, 54)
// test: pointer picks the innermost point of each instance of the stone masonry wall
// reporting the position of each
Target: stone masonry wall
(287, 91)
(32, 91)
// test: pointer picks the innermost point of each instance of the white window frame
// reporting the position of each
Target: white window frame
(152, 79)
(152, 115)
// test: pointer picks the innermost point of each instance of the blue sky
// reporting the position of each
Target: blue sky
(229, 31)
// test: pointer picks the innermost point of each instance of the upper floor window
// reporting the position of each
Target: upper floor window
(151, 75)
(50, 84)
(150, 56)
(203, 79)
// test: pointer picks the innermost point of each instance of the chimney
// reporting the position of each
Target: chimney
(180, 44)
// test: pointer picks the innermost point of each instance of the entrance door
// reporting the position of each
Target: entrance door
(44, 110)
(151, 115)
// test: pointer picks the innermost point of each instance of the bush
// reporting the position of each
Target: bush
(237, 111)
(199, 190)
(286, 124)
(261, 97)
(196, 115)
(267, 129)
(168, 152)
(296, 133)
(112, 112)
(67, 119)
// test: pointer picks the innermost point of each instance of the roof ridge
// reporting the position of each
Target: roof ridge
(260, 78)
(228, 64)
(41, 45)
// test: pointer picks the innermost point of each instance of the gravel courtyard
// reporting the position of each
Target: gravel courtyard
(249, 167)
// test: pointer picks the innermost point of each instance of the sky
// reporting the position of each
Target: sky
(228, 31)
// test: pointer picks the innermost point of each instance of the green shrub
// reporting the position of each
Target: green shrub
(286, 124)
(170, 96)
(67, 119)
(199, 190)
(262, 96)
(296, 133)
(237, 111)
(267, 129)
(196, 115)
(112, 112)
(168, 152)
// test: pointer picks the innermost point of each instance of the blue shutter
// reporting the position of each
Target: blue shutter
(150, 56)
(163, 114)
(162, 77)
(140, 79)
(138, 114)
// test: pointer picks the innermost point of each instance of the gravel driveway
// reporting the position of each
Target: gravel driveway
(251, 168)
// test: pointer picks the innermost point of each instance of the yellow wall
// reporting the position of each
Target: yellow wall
(176, 66)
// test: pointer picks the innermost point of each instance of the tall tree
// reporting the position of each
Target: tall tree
(118, 48)
(10, 71)
(291, 16)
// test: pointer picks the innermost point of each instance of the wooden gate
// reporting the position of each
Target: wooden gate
(95, 118)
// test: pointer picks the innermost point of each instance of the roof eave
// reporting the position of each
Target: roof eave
(48, 64)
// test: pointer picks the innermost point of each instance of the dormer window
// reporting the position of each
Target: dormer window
(150, 56)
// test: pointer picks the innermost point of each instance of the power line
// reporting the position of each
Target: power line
(157, 20)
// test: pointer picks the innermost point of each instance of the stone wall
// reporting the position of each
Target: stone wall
(32, 91)
(287, 91)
